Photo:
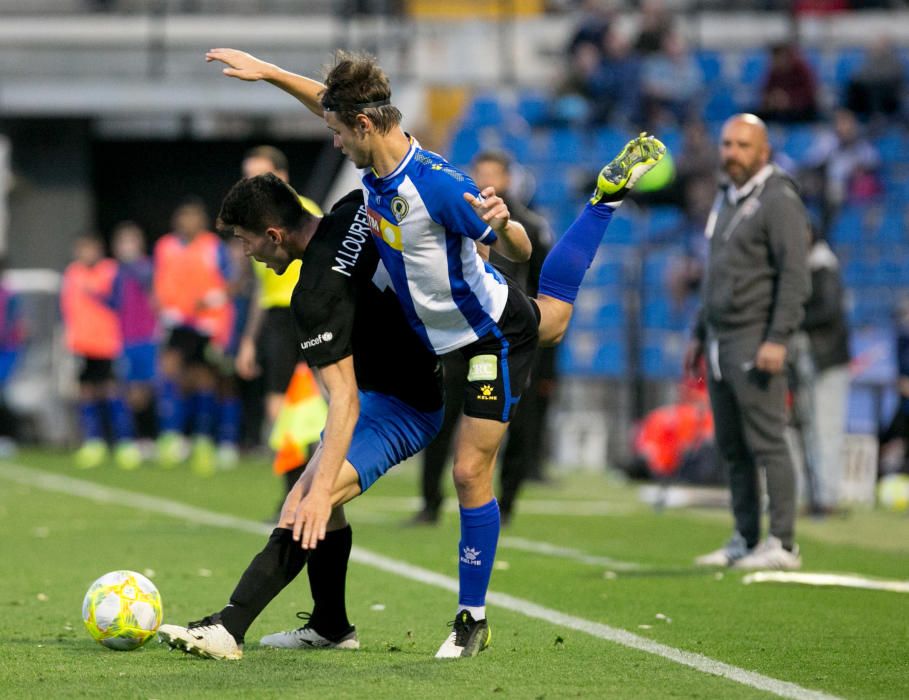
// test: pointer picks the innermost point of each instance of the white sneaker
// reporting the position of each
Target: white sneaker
(206, 638)
(736, 548)
(770, 554)
(306, 637)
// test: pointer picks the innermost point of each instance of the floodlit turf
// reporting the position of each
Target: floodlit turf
(849, 643)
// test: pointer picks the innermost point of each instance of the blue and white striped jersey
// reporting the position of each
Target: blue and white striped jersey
(426, 234)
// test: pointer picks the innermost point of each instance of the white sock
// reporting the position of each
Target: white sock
(477, 612)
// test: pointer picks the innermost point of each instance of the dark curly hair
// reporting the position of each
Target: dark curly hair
(354, 82)
(257, 203)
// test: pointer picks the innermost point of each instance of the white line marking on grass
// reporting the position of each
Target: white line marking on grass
(115, 496)
(530, 506)
(554, 550)
(844, 580)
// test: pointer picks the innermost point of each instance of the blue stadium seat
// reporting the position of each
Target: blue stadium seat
(622, 231)
(464, 145)
(560, 145)
(720, 104)
(592, 353)
(533, 108)
(799, 138)
(485, 110)
(711, 65)
(607, 142)
(665, 218)
(847, 62)
(892, 146)
(754, 66)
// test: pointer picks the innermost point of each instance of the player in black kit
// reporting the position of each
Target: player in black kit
(384, 405)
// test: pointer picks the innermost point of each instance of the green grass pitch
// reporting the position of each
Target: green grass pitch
(837, 641)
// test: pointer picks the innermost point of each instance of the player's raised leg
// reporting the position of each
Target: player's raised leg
(565, 266)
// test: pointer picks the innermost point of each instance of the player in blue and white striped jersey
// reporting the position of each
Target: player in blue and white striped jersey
(427, 220)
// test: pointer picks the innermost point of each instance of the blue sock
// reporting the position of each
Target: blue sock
(121, 419)
(477, 552)
(564, 267)
(231, 416)
(90, 420)
(205, 413)
(171, 407)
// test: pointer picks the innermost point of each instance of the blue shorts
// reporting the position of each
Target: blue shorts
(388, 432)
(7, 362)
(139, 362)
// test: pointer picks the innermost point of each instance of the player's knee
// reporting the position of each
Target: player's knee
(471, 475)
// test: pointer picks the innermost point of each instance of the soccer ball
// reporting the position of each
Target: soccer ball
(122, 610)
(893, 492)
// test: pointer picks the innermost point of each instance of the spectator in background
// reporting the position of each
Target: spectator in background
(595, 23)
(92, 334)
(613, 88)
(894, 439)
(845, 165)
(671, 83)
(192, 270)
(11, 336)
(821, 387)
(789, 92)
(138, 324)
(655, 26)
(696, 166)
(269, 345)
(876, 88)
(523, 452)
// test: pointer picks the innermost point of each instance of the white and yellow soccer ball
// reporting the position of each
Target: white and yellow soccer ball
(893, 492)
(122, 610)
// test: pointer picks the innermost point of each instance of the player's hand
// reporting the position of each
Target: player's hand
(240, 64)
(246, 359)
(694, 353)
(291, 501)
(490, 208)
(311, 518)
(771, 357)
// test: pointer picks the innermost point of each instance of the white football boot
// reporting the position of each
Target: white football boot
(770, 554)
(306, 637)
(207, 639)
(734, 550)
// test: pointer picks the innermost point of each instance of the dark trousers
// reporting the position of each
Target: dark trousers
(749, 410)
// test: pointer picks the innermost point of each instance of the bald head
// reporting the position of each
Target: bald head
(744, 147)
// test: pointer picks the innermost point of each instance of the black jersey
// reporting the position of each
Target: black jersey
(344, 304)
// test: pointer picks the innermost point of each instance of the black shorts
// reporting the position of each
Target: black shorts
(499, 363)
(278, 349)
(95, 371)
(192, 345)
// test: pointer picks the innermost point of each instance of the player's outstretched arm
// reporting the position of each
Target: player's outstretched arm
(245, 66)
(512, 241)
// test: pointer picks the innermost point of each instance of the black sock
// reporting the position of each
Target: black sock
(327, 578)
(270, 571)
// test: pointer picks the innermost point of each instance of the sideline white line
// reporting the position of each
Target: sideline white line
(107, 494)
(843, 580)
(529, 506)
(554, 550)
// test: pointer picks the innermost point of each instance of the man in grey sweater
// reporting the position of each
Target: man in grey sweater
(754, 290)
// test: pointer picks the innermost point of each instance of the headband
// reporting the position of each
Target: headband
(358, 106)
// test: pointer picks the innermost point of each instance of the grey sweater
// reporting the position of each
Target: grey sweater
(757, 278)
